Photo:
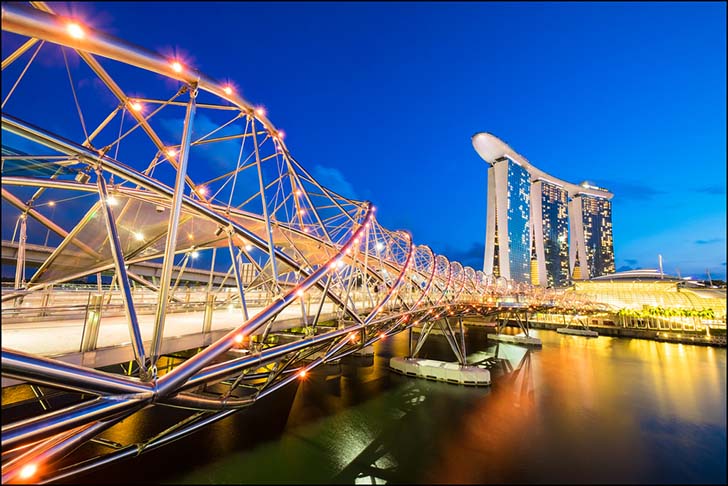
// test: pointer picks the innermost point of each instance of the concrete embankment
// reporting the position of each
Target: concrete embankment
(684, 337)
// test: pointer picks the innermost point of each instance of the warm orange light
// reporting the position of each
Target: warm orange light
(239, 338)
(190, 236)
(382, 335)
(75, 30)
(228, 90)
(176, 66)
(260, 111)
(28, 471)
(171, 152)
(202, 190)
(302, 373)
(302, 212)
(298, 192)
(299, 292)
(136, 106)
(51, 203)
(281, 134)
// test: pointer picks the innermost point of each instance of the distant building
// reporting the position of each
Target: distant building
(540, 229)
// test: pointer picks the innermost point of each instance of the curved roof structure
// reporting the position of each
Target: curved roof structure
(491, 148)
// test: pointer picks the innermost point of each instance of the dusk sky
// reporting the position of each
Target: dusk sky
(379, 101)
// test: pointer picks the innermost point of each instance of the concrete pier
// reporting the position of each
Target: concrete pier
(577, 332)
(441, 371)
(517, 339)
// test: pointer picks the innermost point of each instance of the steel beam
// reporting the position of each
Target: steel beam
(122, 276)
(164, 278)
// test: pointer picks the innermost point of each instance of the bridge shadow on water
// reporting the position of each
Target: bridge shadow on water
(350, 422)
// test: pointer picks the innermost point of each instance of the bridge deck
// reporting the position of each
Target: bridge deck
(61, 338)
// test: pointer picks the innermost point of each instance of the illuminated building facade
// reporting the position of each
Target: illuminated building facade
(540, 229)
(551, 232)
(510, 254)
(594, 245)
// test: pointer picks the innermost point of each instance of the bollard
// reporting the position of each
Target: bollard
(91, 324)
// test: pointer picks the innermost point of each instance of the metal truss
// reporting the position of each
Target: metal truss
(139, 158)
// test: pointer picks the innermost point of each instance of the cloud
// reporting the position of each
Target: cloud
(333, 179)
(714, 189)
(631, 190)
(709, 241)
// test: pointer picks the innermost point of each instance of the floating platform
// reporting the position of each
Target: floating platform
(441, 371)
(577, 331)
(517, 339)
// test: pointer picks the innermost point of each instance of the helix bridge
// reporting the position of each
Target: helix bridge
(118, 161)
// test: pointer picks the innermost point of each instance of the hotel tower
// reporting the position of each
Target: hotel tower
(540, 229)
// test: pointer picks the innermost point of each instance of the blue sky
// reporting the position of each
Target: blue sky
(379, 100)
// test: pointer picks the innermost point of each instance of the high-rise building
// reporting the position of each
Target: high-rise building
(551, 232)
(541, 229)
(594, 243)
(510, 220)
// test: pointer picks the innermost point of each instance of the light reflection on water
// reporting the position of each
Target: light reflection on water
(577, 410)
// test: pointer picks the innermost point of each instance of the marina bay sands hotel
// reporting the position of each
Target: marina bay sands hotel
(540, 229)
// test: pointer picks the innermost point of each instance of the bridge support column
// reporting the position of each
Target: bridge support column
(20, 265)
(209, 308)
(409, 342)
(92, 322)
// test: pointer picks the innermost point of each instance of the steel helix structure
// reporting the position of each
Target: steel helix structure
(115, 156)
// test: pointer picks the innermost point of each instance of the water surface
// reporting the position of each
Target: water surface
(578, 410)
